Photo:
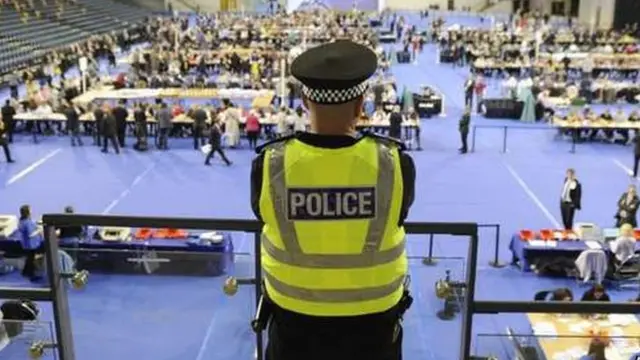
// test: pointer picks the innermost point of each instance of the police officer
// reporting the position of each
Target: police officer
(333, 204)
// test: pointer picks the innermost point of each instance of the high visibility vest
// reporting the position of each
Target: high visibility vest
(331, 244)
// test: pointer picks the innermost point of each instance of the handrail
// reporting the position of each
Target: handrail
(505, 131)
(64, 344)
(430, 259)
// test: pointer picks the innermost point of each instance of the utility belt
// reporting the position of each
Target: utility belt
(266, 309)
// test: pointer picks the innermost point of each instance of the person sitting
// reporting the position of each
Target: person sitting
(596, 293)
(13, 315)
(622, 248)
(66, 232)
(562, 294)
(597, 349)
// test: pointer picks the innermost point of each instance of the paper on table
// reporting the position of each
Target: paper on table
(593, 245)
(540, 243)
(579, 328)
(621, 319)
(545, 329)
(552, 244)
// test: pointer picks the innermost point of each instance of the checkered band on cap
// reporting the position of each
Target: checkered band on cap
(333, 96)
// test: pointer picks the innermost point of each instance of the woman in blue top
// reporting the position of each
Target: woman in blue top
(31, 241)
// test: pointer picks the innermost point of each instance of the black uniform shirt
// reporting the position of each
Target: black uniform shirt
(335, 142)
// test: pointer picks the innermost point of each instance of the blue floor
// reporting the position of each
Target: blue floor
(145, 317)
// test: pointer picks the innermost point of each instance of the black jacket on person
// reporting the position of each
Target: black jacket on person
(215, 136)
(73, 118)
(120, 114)
(98, 115)
(8, 112)
(109, 127)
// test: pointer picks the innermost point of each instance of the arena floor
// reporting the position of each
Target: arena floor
(177, 318)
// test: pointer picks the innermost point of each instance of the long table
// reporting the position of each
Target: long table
(567, 336)
(157, 256)
(526, 252)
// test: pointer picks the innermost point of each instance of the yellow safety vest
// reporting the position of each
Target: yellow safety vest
(331, 244)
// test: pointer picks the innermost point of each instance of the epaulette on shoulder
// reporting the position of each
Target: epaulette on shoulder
(274, 142)
(389, 141)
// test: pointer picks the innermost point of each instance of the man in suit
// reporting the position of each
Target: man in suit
(469, 86)
(215, 140)
(199, 122)
(636, 153)
(463, 128)
(164, 117)
(98, 116)
(570, 198)
(121, 114)
(395, 123)
(8, 112)
(109, 130)
(73, 124)
(4, 143)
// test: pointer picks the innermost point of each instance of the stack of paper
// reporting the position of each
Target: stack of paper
(546, 329)
(579, 327)
(537, 243)
(621, 319)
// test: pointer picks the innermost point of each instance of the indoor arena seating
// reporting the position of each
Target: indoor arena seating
(52, 25)
(15, 53)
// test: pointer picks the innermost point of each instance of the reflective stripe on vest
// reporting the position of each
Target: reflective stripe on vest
(370, 255)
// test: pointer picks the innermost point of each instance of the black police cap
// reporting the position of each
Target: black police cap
(335, 73)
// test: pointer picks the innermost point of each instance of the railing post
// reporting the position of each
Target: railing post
(473, 138)
(496, 251)
(504, 139)
(429, 260)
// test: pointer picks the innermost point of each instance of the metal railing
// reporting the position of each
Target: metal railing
(57, 294)
(505, 134)
(431, 259)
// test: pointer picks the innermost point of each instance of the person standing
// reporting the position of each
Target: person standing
(463, 128)
(636, 153)
(163, 117)
(215, 141)
(121, 114)
(5, 143)
(110, 128)
(395, 123)
(73, 124)
(199, 122)
(628, 208)
(335, 270)
(31, 240)
(252, 128)
(98, 117)
(469, 88)
(8, 112)
(570, 198)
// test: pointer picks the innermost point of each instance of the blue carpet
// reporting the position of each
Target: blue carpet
(189, 318)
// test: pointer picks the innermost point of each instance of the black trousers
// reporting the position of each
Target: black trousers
(31, 268)
(636, 161)
(122, 133)
(114, 143)
(464, 135)
(294, 336)
(213, 151)
(5, 148)
(198, 138)
(567, 210)
(8, 129)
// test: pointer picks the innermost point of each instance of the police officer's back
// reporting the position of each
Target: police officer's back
(333, 204)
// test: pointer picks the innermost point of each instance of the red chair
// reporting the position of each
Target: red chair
(546, 234)
(636, 234)
(526, 235)
(143, 234)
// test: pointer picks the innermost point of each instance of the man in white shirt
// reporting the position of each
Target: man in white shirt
(570, 198)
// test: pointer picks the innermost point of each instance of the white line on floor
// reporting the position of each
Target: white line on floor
(623, 167)
(207, 336)
(33, 166)
(126, 192)
(533, 196)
